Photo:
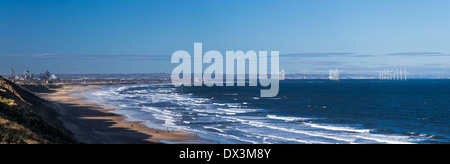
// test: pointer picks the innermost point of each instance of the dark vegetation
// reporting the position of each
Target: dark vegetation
(27, 118)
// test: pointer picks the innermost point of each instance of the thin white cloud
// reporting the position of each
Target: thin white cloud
(321, 54)
(418, 54)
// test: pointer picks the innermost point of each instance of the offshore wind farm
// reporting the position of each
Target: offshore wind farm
(393, 74)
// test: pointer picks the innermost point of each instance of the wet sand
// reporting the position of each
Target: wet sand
(94, 124)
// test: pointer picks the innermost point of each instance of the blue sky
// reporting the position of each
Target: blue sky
(139, 36)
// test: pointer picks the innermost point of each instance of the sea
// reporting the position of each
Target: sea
(304, 112)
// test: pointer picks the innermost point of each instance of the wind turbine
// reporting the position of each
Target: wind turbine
(396, 73)
(405, 73)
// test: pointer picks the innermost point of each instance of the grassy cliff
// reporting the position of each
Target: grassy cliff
(26, 118)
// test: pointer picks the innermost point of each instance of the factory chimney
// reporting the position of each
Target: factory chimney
(13, 76)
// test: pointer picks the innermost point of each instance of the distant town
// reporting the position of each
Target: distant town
(48, 77)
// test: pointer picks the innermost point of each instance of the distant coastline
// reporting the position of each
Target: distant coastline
(137, 78)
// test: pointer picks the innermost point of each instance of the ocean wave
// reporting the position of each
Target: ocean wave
(233, 105)
(389, 139)
(288, 119)
(333, 137)
(221, 104)
(217, 129)
(210, 111)
(338, 128)
(298, 131)
(120, 89)
(170, 118)
(202, 114)
(237, 110)
(425, 135)
(267, 137)
(238, 138)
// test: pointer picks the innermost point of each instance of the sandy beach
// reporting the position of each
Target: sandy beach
(94, 124)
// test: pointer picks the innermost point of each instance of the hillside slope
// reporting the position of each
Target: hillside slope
(26, 118)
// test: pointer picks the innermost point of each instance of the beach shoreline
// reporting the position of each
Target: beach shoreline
(92, 123)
